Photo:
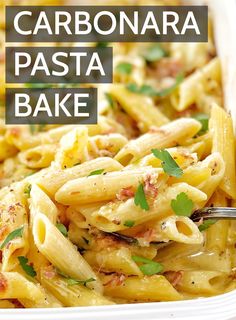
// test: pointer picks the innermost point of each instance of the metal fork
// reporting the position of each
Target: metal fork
(214, 213)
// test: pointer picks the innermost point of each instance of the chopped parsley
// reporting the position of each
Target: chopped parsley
(148, 267)
(110, 100)
(124, 68)
(62, 229)
(182, 205)
(17, 233)
(27, 190)
(150, 91)
(204, 120)
(169, 165)
(73, 282)
(140, 198)
(27, 267)
(206, 224)
(96, 172)
(129, 223)
(155, 53)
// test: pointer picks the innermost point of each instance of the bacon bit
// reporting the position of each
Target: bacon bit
(3, 231)
(173, 277)
(188, 112)
(125, 193)
(116, 221)
(49, 272)
(17, 303)
(3, 283)
(148, 235)
(0, 256)
(116, 280)
(149, 188)
(166, 67)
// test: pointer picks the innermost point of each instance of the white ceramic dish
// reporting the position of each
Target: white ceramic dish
(221, 307)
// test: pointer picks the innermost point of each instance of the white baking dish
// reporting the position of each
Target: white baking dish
(221, 307)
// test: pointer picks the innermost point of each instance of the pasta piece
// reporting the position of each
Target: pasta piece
(14, 217)
(72, 295)
(195, 85)
(106, 145)
(73, 148)
(113, 260)
(15, 286)
(140, 108)
(38, 157)
(111, 217)
(104, 187)
(154, 288)
(6, 150)
(40, 202)
(221, 127)
(203, 282)
(179, 229)
(164, 137)
(51, 243)
(53, 179)
(217, 234)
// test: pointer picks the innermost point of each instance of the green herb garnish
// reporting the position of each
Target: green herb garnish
(124, 68)
(129, 223)
(204, 120)
(169, 165)
(73, 282)
(27, 190)
(14, 234)
(62, 229)
(155, 53)
(140, 198)
(27, 267)
(182, 205)
(148, 267)
(96, 172)
(110, 100)
(206, 224)
(150, 91)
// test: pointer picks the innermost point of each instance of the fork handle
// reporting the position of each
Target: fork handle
(215, 213)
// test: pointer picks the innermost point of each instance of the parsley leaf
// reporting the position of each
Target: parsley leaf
(129, 223)
(167, 91)
(27, 190)
(124, 68)
(150, 91)
(72, 282)
(204, 120)
(110, 99)
(144, 89)
(206, 224)
(169, 165)
(182, 205)
(62, 229)
(140, 198)
(148, 267)
(96, 172)
(27, 267)
(14, 234)
(155, 53)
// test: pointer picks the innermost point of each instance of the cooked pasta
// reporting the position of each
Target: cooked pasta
(100, 214)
